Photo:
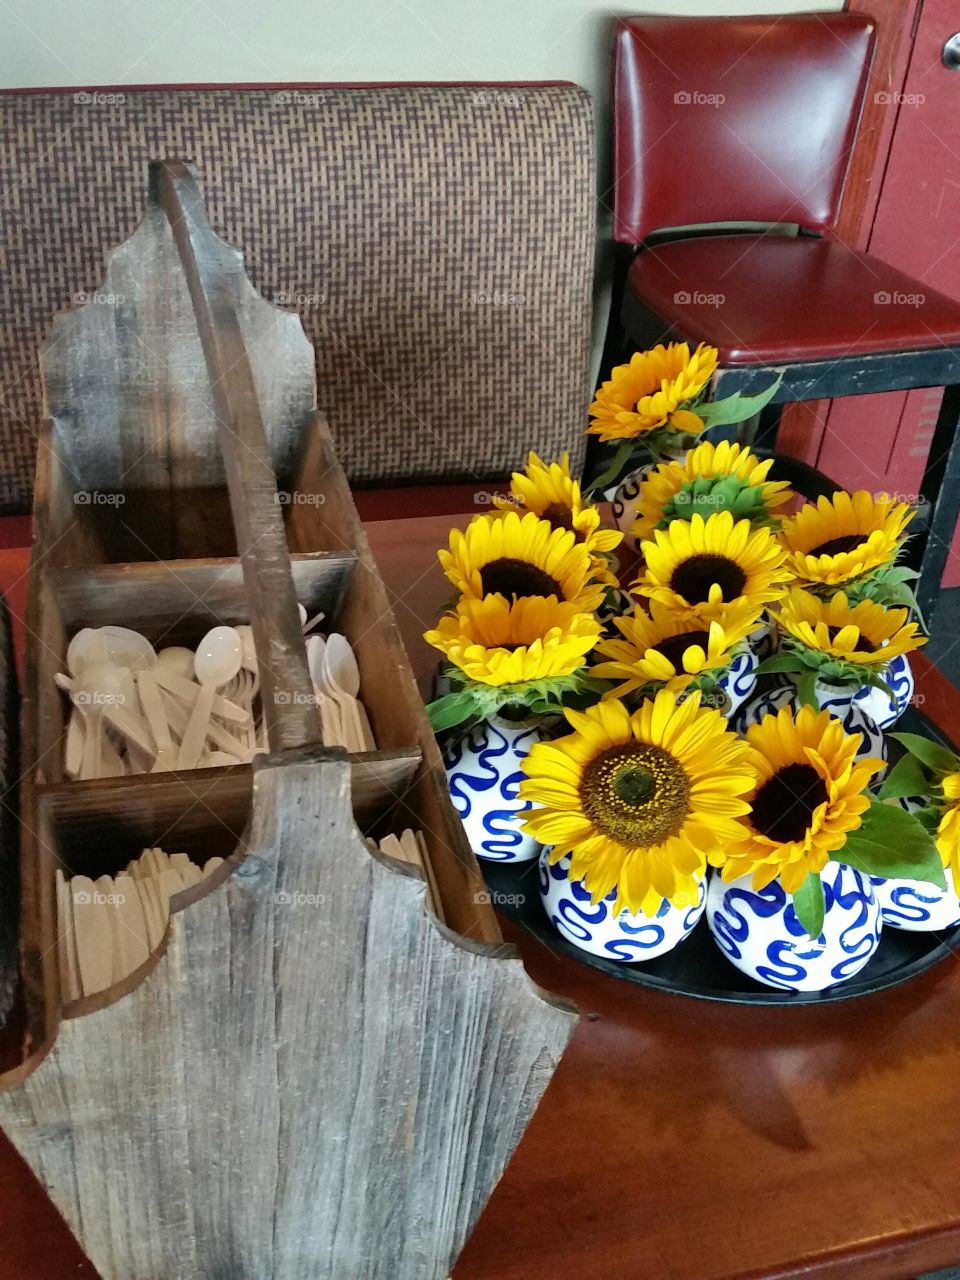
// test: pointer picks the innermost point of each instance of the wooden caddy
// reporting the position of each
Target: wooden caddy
(313, 1076)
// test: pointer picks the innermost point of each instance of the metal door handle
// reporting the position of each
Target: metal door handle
(951, 53)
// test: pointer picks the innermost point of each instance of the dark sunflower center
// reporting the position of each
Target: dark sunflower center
(694, 577)
(674, 647)
(783, 807)
(560, 517)
(638, 795)
(837, 546)
(864, 645)
(512, 578)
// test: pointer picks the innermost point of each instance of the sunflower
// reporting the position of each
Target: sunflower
(551, 492)
(862, 635)
(697, 566)
(711, 478)
(842, 538)
(810, 794)
(948, 832)
(639, 801)
(518, 556)
(497, 643)
(649, 392)
(672, 649)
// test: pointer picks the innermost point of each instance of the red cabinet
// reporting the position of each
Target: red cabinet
(903, 204)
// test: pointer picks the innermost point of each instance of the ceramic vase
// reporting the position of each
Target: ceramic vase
(916, 905)
(626, 937)
(883, 710)
(483, 773)
(759, 931)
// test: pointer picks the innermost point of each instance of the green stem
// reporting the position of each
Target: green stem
(606, 478)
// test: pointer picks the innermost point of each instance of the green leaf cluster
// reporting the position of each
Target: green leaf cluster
(707, 495)
(889, 842)
(470, 700)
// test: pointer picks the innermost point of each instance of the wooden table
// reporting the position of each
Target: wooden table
(679, 1140)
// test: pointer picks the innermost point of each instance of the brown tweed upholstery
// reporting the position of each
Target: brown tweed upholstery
(438, 242)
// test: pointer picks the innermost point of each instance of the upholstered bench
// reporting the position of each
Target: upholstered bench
(437, 241)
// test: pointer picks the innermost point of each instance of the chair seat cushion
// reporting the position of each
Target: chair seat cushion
(772, 299)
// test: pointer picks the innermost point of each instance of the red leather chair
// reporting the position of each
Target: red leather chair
(753, 119)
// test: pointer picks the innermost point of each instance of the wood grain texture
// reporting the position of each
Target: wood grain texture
(317, 1080)
(215, 279)
(328, 523)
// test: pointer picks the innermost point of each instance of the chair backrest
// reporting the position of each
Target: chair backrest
(735, 119)
(437, 240)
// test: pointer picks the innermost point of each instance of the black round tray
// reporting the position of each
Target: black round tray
(697, 967)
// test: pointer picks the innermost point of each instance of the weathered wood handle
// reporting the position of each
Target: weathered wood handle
(213, 273)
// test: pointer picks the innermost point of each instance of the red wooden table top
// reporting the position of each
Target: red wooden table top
(679, 1140)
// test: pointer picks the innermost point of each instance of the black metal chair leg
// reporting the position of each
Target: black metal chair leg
(941, 489)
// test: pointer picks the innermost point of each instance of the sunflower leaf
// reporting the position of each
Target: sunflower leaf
(452, 709)
(929, 753)
(736, 408)
(892, 843)
(780, 662)
(807, 690)
(810, 904)
(612, 473)
(906, 778)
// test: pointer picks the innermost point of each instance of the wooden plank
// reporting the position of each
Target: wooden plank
(203, 812)
(214, 275)
(389, 690)
(316, 1080)
(164, 598)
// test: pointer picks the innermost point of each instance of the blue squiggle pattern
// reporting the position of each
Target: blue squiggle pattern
(623, 937)
(762, 935)
(483, 774)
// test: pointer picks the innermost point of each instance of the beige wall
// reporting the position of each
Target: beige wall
(87, 42)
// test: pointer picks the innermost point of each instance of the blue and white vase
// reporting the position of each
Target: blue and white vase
(623, 504)
(883, 710)
(851, 715)
(763, 638)
(916, 905)
(761, 935)
(627, 937)
(483, 774)
(739, 680)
